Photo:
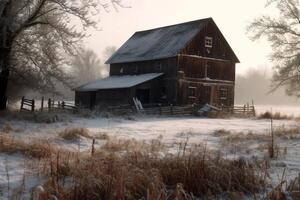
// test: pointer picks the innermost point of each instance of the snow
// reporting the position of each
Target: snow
(114, 82)
(169, 130)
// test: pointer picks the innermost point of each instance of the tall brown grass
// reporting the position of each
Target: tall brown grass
(35, 149)
(74, 133)
(143, 173)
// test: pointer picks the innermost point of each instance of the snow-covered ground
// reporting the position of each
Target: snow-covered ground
(169, 130)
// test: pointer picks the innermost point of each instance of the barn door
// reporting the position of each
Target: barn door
(205, 95)
(143, 95)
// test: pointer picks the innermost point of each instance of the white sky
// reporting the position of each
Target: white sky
(231, 16)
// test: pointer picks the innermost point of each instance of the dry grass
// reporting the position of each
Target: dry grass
(7, 128)
(140, 171)
(101, 136)
(287, 133)
(222, 133)
(74, 133)
(241, 136)
(125, 145)
(277, 116)
(37, 117)
(34, 149)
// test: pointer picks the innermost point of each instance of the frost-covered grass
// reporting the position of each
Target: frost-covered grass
(162, 138)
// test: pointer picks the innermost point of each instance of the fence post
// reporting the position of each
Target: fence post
(63, 105)
(244, 108)
(42, 104)
(32, 105)
(93, 147)
(49, 104)
(160, 112)
(171, 108)
(22, 102)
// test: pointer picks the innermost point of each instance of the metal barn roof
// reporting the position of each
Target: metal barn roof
(114, 82)
(158, 43)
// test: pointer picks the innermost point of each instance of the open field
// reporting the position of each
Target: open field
(230, 139)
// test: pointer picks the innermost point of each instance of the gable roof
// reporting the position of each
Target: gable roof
(114, 82)
(158, 43)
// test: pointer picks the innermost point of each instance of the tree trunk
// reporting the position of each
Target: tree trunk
(4, 75)
(5, 49)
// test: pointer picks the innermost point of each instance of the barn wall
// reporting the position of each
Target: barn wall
(116, 97)
(83, 99)
(113, 97)
(220, 48)
(166, 66)
(201, 92)
(216, 69)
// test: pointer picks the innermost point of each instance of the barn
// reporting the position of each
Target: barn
(179, 64)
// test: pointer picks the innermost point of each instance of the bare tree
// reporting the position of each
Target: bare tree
(283, 32)
(86, 66)
(107, 53)
(38, 36)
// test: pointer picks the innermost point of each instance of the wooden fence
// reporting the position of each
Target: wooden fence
(27, 104)
(245, 110)
(171, 110)
(30, 105)
(240, 110)
(64, 105)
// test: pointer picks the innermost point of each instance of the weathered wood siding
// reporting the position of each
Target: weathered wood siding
(220, 48)
(205, 68)
(205, 92)
(207, 74)
(167, 66)
(167, 84)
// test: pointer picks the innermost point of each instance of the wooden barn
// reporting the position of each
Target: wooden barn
(180, 64)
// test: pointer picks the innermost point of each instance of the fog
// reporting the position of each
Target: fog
(256, 85)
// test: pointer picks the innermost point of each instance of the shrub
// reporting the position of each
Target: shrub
(277, 115)
(74, 133)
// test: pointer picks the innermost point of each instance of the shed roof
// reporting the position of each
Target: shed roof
(115, 82)
(158, 43)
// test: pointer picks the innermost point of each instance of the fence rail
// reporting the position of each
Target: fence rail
(186, 110)
(30, 105)
(247, 110)
(27, 104)
(243, 109)
(170, 110)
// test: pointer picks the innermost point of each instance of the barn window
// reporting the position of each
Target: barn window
(192, 92)
(208, 42)
(223, 93)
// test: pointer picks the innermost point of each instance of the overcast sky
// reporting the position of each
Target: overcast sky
(231, 16)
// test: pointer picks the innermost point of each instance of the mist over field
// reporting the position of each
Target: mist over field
(256, 85)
